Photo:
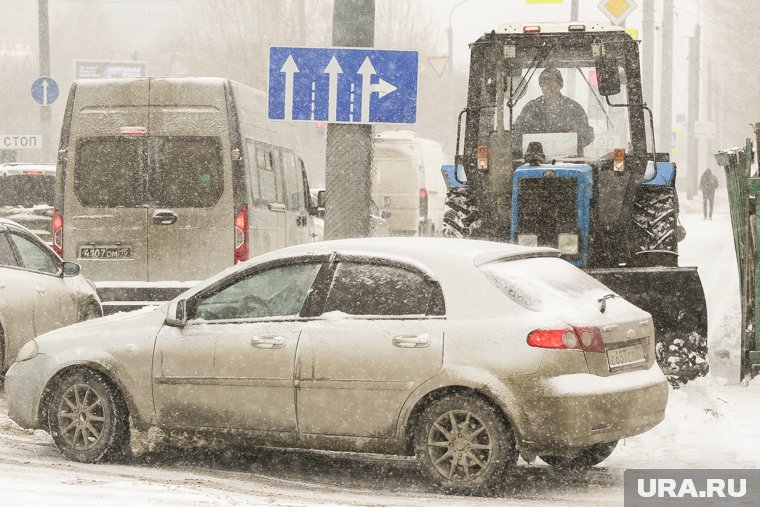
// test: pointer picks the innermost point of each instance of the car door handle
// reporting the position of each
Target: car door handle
(411, 341)
(268, 342)
(275, 206)
(164, 217)
(40, 290)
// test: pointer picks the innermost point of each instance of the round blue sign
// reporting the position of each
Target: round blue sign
(45, 90)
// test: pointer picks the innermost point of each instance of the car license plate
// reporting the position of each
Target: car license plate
(105, 252)
(623, 357)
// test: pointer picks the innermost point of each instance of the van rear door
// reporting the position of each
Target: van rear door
(190, 217)
(105, 225)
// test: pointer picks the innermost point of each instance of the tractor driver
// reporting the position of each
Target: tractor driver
(552, 112)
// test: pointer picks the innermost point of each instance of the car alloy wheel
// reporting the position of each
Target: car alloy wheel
(464, 444)
(87, 418)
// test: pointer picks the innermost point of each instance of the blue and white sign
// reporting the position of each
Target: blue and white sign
(343, 85)
(44, 90)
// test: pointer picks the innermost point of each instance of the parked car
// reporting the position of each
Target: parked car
(38, 291)
(465, 353)
(26, 196)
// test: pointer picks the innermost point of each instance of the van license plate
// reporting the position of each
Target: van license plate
(623, 357)
(105, 252)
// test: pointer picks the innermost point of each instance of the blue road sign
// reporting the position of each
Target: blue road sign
(343, 85)
(44, 90)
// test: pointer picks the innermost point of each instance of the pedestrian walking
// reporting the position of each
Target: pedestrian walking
(708, 183)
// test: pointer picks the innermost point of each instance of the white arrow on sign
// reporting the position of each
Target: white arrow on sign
(289, 68)
(366, 71)
(44, 92)
(382, 88)
(332, 70)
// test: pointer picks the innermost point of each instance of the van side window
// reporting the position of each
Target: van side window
(304, 184)
(293, 182)
(253, 171)
(277, 164)
(265, 167)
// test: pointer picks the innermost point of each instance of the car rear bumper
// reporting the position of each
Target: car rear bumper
(23, 387)
(578, 410)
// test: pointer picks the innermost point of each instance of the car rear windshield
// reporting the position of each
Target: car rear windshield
(27, 190)
(158, 171)
(541, 284)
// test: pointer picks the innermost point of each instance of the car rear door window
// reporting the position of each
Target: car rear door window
(109, 172)
(26, 190)
(275, 292)
(34, 256)
(363, 288)
(187, 172)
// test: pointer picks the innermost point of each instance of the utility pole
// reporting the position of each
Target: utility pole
(647, 73)
(666, 78)
(692, 169)
(348, 160)
(44, 50)
(571, 75)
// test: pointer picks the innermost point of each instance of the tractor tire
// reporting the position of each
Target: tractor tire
(655, 220)
(461, 217)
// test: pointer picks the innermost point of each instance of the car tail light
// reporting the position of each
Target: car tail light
(531, 29)
(576, 28)
(57, 232)
(588, 339)
(423, 203)
(31, 171)
(241, 235)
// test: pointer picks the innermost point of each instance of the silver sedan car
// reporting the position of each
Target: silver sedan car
(464, 353)
(38, 291)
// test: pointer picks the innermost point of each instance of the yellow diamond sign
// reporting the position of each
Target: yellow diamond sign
(617, 10)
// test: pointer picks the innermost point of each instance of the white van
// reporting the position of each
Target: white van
(407, 185)
(174, 179)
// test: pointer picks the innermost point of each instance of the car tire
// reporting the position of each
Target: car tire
(474, 459)
(588, 457)
(87, 418)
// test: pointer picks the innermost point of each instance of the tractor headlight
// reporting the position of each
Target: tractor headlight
(527, 239)
(28, 351)
(568, 243)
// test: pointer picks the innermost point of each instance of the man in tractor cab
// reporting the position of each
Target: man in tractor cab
(552, 113)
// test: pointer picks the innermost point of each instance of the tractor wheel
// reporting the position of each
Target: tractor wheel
(461, 217)
(655, 239)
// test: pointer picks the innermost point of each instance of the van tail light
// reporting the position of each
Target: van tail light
(588, 339)
(423, 203)
(241, 235)
(57, 232)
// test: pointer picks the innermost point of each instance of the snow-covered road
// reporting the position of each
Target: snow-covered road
(710, 423)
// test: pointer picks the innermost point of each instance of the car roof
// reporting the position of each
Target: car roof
(421, 249)
(13, 168)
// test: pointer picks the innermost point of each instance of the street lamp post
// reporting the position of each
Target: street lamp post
(451, 38)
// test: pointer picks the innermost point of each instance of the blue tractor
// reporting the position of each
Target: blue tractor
(595, 187)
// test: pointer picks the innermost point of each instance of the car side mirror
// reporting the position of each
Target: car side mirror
(608, 76)
(177, 314)
(70, 269)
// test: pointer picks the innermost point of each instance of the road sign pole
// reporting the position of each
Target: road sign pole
(348, 169)
(44, 42)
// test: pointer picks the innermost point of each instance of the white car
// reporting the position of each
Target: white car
(465, 353)
(38, 291)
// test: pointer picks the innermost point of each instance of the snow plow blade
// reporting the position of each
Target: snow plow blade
(675, 299)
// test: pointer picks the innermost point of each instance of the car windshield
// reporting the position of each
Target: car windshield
(27, 190)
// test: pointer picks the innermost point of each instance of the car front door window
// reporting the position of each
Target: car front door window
(7, 257)
(275, 292)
